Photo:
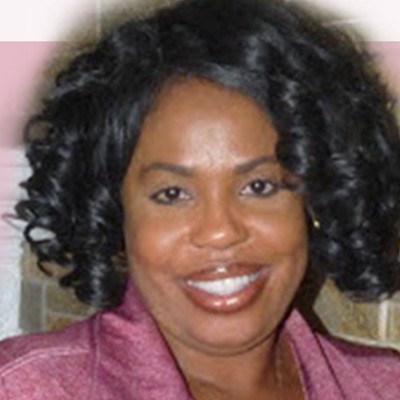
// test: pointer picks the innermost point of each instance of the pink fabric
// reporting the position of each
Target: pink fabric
(333, 369)
(120, 355)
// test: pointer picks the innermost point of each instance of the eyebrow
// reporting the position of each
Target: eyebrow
(163, 166)
(239, 169)
(253, 164)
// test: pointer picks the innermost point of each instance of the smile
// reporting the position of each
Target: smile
(226, 289)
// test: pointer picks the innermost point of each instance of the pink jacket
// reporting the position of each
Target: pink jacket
(120, 355)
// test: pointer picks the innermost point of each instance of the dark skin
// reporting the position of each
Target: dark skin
(204, 185)
(279, 382)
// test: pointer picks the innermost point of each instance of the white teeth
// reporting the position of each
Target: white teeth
(224, 287)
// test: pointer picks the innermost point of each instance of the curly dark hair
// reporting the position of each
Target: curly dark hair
(320, 88)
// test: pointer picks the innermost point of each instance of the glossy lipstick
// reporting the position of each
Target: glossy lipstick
(226, 288)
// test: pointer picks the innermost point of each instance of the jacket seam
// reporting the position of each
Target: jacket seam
(38, 355)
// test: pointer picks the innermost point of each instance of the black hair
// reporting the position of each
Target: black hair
(335, 119)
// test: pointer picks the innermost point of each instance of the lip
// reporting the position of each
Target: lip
(226, 288)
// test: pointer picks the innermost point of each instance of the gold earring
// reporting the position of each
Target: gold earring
(315, 221)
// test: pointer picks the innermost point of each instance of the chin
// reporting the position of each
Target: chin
(222, 335)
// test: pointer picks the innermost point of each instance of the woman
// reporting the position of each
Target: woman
(190, 170)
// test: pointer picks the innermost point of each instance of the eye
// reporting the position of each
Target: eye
(260, 188)
(170, 195)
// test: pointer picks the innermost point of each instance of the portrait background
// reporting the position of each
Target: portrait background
(35, 42)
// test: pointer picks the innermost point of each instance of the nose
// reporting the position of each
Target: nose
(217, 225)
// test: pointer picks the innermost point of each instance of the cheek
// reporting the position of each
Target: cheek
(283, 240)
(153, 246)
(291, 242)
(283, 228)
(152, 241)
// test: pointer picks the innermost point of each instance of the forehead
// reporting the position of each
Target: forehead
(195, 117)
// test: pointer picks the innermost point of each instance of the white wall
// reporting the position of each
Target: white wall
(47, 20)
(13, 170)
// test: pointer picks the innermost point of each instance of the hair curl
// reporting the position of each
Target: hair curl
(321, 90)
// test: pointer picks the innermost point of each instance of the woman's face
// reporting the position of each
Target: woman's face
(216, 244)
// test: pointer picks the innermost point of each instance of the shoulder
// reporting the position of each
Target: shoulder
(32, 348)
(360, 372)
(63, 356)
(376, 370)
(377, 363)
(337, 349)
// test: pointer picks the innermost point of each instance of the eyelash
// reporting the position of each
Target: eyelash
(157, 197)
(272, 188)
(176, 194)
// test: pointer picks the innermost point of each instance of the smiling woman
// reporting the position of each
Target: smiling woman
(193, 168)
(215, 238)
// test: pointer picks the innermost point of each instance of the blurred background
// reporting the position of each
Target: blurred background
(35, 42)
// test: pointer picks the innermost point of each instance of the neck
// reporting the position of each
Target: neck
(255, 373)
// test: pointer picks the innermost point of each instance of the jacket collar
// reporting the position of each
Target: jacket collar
(132, 349)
